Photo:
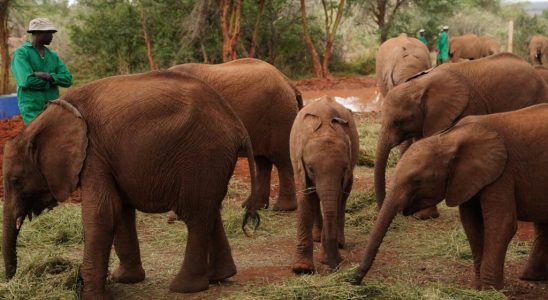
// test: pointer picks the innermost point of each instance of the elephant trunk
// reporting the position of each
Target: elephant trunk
(386, 215)
(10, 232)
(381, 159)
(330, 202)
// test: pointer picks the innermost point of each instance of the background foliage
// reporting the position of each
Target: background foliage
(100, 38)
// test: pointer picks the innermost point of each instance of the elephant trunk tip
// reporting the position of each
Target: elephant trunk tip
(357, 278)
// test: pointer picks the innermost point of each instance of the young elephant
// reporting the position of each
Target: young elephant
(538, 50)
(398, 59)
(145, 142)
(435, 100)
(267, 102)
(324, 150)
(495, 168)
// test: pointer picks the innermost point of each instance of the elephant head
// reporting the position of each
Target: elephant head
(538, 47)
(399, 59)
(454, 165)
(418, 108)
(41, 167)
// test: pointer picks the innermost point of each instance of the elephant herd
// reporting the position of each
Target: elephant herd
(169, 141)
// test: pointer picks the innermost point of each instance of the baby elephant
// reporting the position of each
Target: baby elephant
(324, 149)
(495, 168)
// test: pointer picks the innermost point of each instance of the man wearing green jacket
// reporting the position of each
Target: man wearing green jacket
(443, 46)
(38, 71)
(422, 38)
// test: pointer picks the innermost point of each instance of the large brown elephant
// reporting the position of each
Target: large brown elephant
(150, 142)
(324, 151)
(437, 99)
(538, 49)
(470, 46)
(398, 59)
(267, 102)
(495, 168)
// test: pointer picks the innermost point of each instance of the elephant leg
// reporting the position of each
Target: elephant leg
(537, 265)
(100, 209)
(404, 146)
(500, 224)
(221, 263)
(126, 245)
(193, 275)
(264, 171)
(472, 222)
(318, 225)
(286, 195)
(308, 203)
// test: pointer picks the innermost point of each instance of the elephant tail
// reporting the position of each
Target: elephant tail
(299, 97)
(252, 204)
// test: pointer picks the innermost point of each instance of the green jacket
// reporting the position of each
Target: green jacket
(443, 46)
(422, 39)
(34, 93)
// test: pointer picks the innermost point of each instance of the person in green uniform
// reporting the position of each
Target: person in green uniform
(443, 46)
(421, 37)
(39, 72)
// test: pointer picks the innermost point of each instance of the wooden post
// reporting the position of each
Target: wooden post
(510, 35)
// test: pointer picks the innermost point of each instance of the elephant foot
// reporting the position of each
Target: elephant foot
(316, 234)
(427, 213)
(303, 267)
(172, 217)
(222, 273)
(188, 284)
(323, 258)
(91, 294)
(133, 274)
(535, 273)
(284, 205)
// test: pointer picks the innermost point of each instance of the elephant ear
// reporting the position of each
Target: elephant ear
(58, 142)
(312, 121)
(479, 159)
(445, 98)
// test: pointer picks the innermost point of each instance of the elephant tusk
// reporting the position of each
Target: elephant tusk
(18, 223)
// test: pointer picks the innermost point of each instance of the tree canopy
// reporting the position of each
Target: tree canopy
(100, 38)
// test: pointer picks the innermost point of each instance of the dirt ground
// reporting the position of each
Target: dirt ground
(277, 268)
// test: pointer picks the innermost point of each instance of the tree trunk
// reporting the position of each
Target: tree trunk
(230, 26)
(253, 47)
(331, 32)
(147, 39)
(204, 53)
(310, 45)
(4, 51)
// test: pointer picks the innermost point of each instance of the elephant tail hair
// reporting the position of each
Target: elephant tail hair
(252, 205)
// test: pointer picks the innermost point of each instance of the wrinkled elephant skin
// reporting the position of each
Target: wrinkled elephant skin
(434, 101)
(267, 102)
(494, 167)
(144, 142)
(324, 149)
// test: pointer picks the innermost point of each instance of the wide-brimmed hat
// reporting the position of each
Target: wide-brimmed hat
(41, 24)
(422, 30)
(445, 27)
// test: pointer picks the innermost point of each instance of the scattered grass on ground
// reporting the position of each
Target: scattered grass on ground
(417, 260)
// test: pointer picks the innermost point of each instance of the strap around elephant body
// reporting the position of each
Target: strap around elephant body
(68, 107)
